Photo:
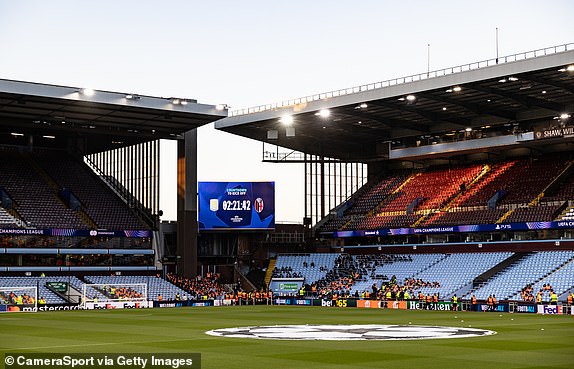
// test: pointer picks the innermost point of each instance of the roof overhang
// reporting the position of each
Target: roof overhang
(523, 91)
(102, 117)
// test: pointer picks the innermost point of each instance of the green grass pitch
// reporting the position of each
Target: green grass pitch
(522, 340)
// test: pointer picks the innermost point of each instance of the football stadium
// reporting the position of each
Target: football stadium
(438, 228)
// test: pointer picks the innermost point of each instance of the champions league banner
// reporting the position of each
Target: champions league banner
(64, 232)
(521, 226)
(236, 205)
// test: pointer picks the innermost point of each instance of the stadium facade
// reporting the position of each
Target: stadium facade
(471, 159)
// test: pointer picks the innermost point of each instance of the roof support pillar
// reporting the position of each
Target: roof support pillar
(187, 204)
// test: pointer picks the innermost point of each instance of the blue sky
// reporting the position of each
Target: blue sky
(246, 53)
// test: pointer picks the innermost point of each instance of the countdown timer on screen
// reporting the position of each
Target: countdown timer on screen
(236, 205)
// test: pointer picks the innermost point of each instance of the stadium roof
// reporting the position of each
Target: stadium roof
(523, 90)
(106, 119)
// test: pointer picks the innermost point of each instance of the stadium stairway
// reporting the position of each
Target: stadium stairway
(269, 271)
(246, 284)
(566, 213)
(561, 279)
(14, 213)
(484, 277)
(430, 217)
(556, 182)
(7, 219)
(504, 216)
(396, 191)
(440, 259)
(84, 217)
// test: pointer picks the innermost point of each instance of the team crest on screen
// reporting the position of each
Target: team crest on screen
(349, 332)
(258, 204)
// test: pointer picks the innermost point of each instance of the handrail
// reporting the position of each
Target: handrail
(407, 79)
(129, 199)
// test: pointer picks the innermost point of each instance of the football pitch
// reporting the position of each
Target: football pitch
(521, 340)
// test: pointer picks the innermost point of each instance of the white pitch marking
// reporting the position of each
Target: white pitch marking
(89, 344)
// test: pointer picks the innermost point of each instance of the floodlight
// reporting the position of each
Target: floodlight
(411, 98)
(286, 119)
(457, 88)
(87, 91)
(323, 113)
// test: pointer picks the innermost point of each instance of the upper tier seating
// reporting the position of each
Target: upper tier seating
(34, 200)
(376, 194)
(7, 220)
(533, 214)
(480, 192)
(460, 195)
(486, 216)
(569, 215)
(433, 187)
(98, 201)
(522, 180)
(387, 221)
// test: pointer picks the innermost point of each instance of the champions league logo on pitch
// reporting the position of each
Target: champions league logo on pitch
(349, 332)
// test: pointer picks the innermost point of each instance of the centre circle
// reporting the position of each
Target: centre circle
(345, 332)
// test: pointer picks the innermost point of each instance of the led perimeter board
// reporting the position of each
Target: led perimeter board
(236, 206)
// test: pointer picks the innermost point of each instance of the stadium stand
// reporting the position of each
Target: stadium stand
(105, 209)
(448, 273)
(287, 266)
(34, 200)
(453, 217)
(472, 194)
(7, 220)
(528, 270)
(534, 214)
(458, 270)
(568, 215)
(40, 283)
(155, 286)
(561, 280)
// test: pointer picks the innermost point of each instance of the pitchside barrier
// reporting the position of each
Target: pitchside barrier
(111, 305)
(16, 299)
(506, 307)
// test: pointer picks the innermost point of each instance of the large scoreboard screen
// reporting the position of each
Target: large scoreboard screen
(236, 206)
